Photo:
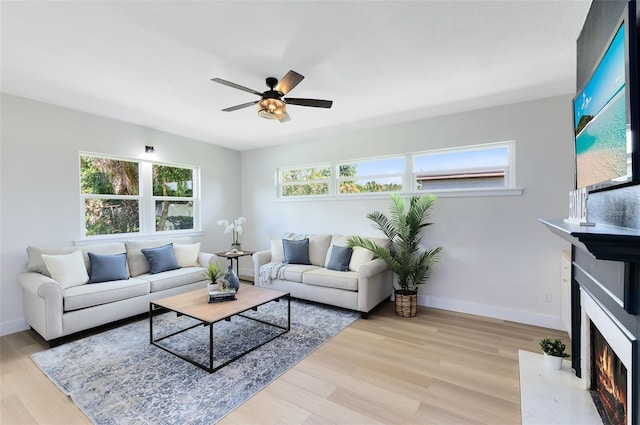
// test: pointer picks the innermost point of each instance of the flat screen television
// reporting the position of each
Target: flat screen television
(605, 112)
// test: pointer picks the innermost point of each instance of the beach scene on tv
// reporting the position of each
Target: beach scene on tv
(600, 114)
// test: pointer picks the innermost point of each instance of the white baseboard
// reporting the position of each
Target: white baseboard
(13, 326)
(526, 317)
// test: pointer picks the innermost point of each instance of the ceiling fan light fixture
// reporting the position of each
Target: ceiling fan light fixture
(272, 109)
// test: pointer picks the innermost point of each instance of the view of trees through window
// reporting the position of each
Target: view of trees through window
(383, 175)
(305, 181)
(113, 204)
(173, 194)
(111, 188)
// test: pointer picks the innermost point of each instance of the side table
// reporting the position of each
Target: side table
(235, 257)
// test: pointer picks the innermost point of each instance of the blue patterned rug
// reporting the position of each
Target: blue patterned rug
(117, 377)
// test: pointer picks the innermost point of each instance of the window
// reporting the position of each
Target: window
(381, 175)
(124, 196)
(305, 181)
(111, 192)
(173, 196)
(487, 169)
(483, 166)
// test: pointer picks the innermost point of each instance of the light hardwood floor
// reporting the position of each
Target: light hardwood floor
(437, 368)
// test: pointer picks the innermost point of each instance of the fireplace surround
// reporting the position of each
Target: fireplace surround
(605, 294)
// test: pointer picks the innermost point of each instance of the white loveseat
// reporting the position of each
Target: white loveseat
(57, 309)
(364, 284)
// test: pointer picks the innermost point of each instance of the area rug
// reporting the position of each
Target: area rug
(117, 377)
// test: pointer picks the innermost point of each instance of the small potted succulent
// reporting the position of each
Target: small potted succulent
(553, 349)
(213, 273)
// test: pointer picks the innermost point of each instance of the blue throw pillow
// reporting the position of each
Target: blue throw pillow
(340, 258)
(161, 258)
(296, 252)
(106, 267)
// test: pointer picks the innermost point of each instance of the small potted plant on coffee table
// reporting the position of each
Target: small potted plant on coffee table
(553, 349)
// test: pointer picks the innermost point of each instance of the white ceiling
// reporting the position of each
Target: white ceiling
(150, 62)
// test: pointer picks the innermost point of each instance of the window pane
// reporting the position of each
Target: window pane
(110, 216)
(172, 181)
(372, 168)
(305, 189)
(102, 176)
(174, 215)
(391, 184)
(305, 174)
(490, 157)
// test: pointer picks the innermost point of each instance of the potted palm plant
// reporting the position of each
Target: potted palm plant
(403, 255)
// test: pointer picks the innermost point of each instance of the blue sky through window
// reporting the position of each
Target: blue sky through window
(492, 157)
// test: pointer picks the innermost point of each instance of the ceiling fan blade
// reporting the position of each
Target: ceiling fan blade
(289, 81)
(285, 118)
(235, 86)
(244, 105)
(316, 103)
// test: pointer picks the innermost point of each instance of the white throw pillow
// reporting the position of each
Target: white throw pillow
(187, 255)
(277, 250)
(67, 269)
(359, 257)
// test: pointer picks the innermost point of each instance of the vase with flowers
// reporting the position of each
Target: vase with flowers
(234, 227)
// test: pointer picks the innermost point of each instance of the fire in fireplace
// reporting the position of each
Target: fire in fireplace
(608, 380)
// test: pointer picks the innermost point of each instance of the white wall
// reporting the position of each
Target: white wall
(498, 260)
(40, 204)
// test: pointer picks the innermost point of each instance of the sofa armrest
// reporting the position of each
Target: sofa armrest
(372, 268)
(205, 258)
(374, 284)
(260, 258)
(43, 304)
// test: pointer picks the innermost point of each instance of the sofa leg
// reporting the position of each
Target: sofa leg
(364, 315)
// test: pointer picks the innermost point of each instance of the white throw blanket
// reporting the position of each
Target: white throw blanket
(271, 271)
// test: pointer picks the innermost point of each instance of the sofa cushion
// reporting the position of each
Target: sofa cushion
(294, 272)
(85, 296)
(106, 267)
(187, 254)
(174, 278)
(161, 258)
(340, 258)
(331, 279)
(296, 252)
(138, 263)
(36, 264)
(67, 269)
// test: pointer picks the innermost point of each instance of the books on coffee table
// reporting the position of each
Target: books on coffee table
(216, 295)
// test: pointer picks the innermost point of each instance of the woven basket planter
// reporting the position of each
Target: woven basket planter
(406, 303)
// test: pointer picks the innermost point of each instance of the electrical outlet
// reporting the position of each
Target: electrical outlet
(547, 297)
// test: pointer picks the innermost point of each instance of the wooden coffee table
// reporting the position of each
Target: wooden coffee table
(194, 304)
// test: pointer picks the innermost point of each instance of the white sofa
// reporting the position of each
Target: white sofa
(55, 309)
(365, 284)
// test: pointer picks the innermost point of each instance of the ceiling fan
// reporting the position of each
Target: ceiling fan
(272, 104)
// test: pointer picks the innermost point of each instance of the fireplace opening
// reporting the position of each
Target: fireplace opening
(608, 380)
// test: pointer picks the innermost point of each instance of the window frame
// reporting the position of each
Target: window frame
(145, 197)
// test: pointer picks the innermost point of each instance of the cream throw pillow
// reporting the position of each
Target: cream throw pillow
(187, 254)
(67, 269)
(277, 250)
